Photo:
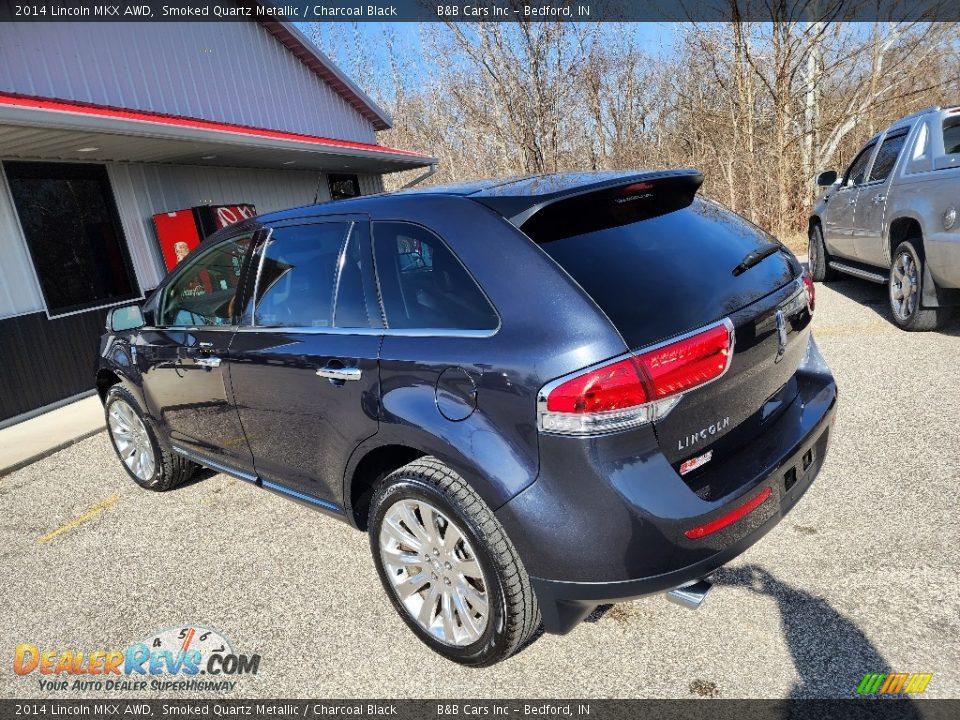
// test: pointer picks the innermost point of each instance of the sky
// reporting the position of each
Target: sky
(649, 36)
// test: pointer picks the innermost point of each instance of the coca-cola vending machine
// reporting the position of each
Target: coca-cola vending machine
(180, 231)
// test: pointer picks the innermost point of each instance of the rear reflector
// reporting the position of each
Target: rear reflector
(730, 518)
(638, 388)
(811, 291)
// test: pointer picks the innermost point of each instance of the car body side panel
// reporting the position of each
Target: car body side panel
(543, 334)
(925, 197)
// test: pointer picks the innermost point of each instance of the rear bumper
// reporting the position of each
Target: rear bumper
(639, 511)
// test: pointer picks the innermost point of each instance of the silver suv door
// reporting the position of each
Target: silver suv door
(838, 221)
(872, 200)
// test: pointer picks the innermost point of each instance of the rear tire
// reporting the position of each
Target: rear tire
(818, 259)
(905, 286)
(448, 567)
(142, 448)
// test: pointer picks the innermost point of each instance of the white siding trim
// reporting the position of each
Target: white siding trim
(142, 246)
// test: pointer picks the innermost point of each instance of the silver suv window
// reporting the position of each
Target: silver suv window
(857, 172)
(887, 156)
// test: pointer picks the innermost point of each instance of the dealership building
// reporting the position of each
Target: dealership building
(124, 143)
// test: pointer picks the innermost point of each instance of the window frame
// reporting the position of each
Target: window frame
(427, 331)
(188, 263)
(136, 294)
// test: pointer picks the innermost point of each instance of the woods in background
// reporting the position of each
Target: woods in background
(758, 107)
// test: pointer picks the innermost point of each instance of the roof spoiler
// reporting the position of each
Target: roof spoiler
(595, 206)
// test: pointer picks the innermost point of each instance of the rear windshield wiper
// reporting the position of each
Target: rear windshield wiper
(755, 258)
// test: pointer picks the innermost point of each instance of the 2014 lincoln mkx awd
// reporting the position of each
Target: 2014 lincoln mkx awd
(536, 395)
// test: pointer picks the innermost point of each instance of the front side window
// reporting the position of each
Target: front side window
(887, 157)
(71, 226)
(204, 292)
(857, 172)
(422, 283)
(317, 276)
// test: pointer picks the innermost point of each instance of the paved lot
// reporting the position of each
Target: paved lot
(862, 576)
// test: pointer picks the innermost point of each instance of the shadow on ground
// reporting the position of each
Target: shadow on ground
(874, 296)
(830, 653)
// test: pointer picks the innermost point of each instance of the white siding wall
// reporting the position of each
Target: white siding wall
(19, 290)
(234, 72)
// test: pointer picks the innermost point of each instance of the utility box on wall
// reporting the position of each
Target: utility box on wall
(180, 231)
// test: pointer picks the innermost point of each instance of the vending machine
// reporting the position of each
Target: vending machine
(180, 231)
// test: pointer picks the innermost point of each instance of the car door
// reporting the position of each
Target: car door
(872, 200)
(184, 349)
(838, 221)
(304, 364)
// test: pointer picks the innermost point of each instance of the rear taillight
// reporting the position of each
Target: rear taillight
(811, 291)
(638, 388)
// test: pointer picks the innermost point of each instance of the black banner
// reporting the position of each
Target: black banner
(479, 10)
(872, 709)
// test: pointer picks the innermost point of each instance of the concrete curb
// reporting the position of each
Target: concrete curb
(4, 471)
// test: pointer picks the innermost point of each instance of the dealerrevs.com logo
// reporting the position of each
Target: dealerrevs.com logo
(186, 658)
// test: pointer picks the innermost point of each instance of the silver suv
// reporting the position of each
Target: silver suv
(892, 218)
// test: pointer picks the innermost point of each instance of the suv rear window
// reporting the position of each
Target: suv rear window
(665, 274)
(951, 136)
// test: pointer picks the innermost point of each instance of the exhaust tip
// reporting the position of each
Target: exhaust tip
(691, 595)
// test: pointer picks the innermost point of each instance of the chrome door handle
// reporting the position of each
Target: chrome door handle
(332, 373)
(209, 361)
(879, 198)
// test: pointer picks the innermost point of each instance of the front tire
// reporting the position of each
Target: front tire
(906, 287)
(818, 259)
(448, 567)
(142, 448)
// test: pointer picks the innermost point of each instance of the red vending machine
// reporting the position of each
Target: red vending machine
(180, 231)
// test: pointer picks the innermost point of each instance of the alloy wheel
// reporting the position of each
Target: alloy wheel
(434, 572)
(904, 286)
(131, 439)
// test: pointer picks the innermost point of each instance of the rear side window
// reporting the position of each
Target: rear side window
(423, 285)
(313, 276)
(887, 157)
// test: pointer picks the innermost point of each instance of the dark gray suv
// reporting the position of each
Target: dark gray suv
(536, 395)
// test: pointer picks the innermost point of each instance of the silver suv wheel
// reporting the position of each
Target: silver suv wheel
(131, 440)
(904, 286)
(434, 572)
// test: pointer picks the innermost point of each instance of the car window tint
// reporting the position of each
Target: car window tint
(887, 157)
(204, 292)
(356, 297)
(296, 280)
(423, 284)
(858, 168)
(951, 136)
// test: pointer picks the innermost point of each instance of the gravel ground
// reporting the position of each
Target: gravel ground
(860, 577)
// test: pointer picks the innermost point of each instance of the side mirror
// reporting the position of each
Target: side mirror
(827, 178)
(123, 318)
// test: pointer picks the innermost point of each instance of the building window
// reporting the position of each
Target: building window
(71, 226)
(343, 186)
